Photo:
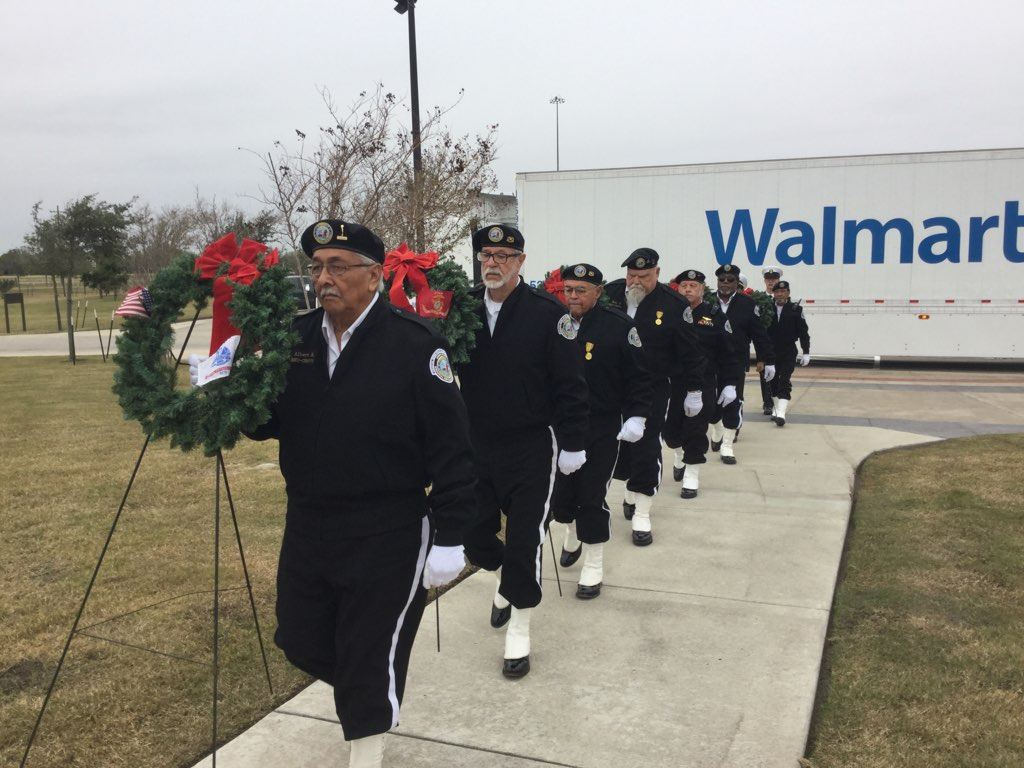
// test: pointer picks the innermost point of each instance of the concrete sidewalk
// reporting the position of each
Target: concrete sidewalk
(87, 343)
(703, 649)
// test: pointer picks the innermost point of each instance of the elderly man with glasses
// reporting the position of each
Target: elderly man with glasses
(527, 400)
(369, 419)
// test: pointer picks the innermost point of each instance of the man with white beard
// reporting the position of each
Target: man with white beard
(672, 355)
(526, 395)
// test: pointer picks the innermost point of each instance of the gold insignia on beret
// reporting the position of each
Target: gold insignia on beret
(494, 234)
(323, 232)
(580, 270)
(510, 239)
(641, 262)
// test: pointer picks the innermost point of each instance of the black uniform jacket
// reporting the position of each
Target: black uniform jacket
(529, 374)
(715, 335)
(787, 329)
(358, 450)
(613, 360)
(745, 319)
(669, 340)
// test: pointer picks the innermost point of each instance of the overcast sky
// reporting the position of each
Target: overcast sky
(153, 99)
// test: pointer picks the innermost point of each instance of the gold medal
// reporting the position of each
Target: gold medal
(657, 318)
(590, 349)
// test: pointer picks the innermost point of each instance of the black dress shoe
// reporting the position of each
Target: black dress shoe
(516, 668)
(569, 558)
(587, 593)
(642, 538)
(688, 493)
(728, 459)
(767, 410)
(714, 447)
(781, 421)
(628, 510)
(677, 473)
(500, 616)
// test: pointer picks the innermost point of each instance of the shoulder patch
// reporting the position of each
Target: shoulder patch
(441, 367)
(565, 328)
(728, 327)
(688, 315)
(757, 310)
(633, 337)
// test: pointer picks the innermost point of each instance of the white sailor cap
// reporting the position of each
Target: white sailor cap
(777, 271)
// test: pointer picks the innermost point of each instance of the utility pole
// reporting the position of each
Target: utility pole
(558, 160)
(409, 7)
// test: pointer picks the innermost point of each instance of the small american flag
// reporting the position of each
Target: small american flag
(138, 303)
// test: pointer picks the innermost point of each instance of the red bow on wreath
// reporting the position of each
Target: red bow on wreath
(401, 263)
(555, 285)
(243, 269)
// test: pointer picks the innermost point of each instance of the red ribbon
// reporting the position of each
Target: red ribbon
(401, 263)
(555, 285)
(243, 269)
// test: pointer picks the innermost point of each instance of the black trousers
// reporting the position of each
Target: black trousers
(580, 497)
(730, 415)
(782, 384)
(691, 432)
(347, 613)
(639, 463)
(515, 476)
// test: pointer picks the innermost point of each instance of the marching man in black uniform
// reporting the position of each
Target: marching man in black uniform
(369, 418)
(789, 327)
(620, 402)
(771, 276)
(670, 353)
(527, 401)
(722, 373)
(745, 318)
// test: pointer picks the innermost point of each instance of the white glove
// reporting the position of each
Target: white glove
(805, 359)
(632, 429)
(193, 368)
(769, 373)
(693, 403)
(570, 461)
(443, 565)
(727, 396)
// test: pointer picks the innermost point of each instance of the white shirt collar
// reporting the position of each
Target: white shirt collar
(493, 307)
(334, 348)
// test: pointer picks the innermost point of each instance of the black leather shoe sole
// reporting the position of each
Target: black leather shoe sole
(587, 593)
(767, 410)
(688, 493)
(780, 421)
(715, 446)
(628, 510)
(642, 538)
(677, 473)
(728, 459)
(569, 558)
(515, 668)
(500, 616)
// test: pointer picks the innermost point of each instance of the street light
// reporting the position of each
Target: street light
(556, 101)
(409, 6)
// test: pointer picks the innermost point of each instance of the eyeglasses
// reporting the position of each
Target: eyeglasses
(497, 258)
(581, 291)
(727, 279)
(334, 268)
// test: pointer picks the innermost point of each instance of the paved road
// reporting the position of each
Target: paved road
(704, 648)
(87, 342)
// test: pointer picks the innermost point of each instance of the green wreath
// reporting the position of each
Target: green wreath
(763, 301)
(212, 416)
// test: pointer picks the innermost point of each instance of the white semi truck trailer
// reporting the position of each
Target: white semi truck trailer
(893, 256)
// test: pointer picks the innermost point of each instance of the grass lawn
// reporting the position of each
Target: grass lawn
(65, 457)
(924, 665)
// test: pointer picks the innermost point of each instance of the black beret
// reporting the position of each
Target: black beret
(498, 235)
(335, 233)
(587, 273)
(642, 258)
(690, 274)
(728, 269)
(781, 284)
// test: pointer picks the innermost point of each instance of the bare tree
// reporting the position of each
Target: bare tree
(359, 167)
(156, 238)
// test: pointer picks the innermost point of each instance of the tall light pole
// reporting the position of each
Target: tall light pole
(556, 101)
(409, 7)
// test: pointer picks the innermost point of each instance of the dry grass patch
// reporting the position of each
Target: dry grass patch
(924, 663)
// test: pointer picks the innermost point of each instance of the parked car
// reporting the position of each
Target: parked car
(302, 289)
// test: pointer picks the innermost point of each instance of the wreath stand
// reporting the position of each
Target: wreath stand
(220, 473)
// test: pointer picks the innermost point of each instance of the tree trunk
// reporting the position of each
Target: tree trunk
(71, 328)
(56, 303)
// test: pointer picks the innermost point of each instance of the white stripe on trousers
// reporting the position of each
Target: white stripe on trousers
(420, 561)
(547, 504)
